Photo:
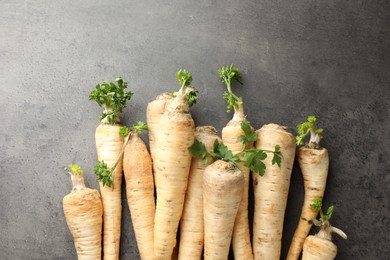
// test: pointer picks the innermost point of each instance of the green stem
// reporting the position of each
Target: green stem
(122, 151)
(229, 87)
(259, 150)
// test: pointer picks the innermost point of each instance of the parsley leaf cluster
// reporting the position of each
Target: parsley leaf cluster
(317, 206)
(75, 169)
(103, 174)
(305, 127)
(228, 75)
(112, 97)
(184, 77)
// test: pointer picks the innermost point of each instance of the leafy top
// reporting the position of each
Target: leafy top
(75, 169)
(112, 97)
(184, 77)
(317, 206)
(191, 96)
(138, 128)
(229, 75)
(306, 128)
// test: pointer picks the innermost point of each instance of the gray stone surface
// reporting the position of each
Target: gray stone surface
(328, 58)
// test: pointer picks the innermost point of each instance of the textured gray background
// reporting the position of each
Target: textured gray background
(328, 58)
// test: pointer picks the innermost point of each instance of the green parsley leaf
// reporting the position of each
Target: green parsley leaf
(76, 170)
(317, 204)
(253, 160)
(222, 152)
(304, 128)
(328, 214)
(250, 135)
(198, 150)
(192, 97)
(112, 97)
(103, 174)
(228, 75)
(277, 156)
(231, 103)
(124, 131)
(139, 127)
(184, 77)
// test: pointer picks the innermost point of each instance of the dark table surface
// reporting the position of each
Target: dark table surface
(327, 58)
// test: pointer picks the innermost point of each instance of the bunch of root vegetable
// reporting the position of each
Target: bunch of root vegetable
(196, 179)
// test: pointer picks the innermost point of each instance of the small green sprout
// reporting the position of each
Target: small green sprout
(309, 127)
(228, 76)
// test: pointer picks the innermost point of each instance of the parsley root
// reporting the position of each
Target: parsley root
(231, 133)
(320, 246)
(137, 167)
(83, 213)
(112, 98)
(271, 191)
(223, 186)
(172, 164)
(191, 223)
(219, 217)
(154, 112)
(314, 163)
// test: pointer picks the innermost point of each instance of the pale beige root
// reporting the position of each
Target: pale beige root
(191, 223)
(108, 145)
(137, 167)
(316, 248)
(223, 185)
(270, 192)
(314, 164)
(154, 111)
(241, 242)
(83, 213)
(171, 165)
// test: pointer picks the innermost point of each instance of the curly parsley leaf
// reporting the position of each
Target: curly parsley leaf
(198, 150)
(112, 97)
(192, 97)
(305, 128)
(184, 77)
(249, 134)
(124, 131)
(228, 75)
(75, 169)
(103, 174)
(139, 127)
(230, 101)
